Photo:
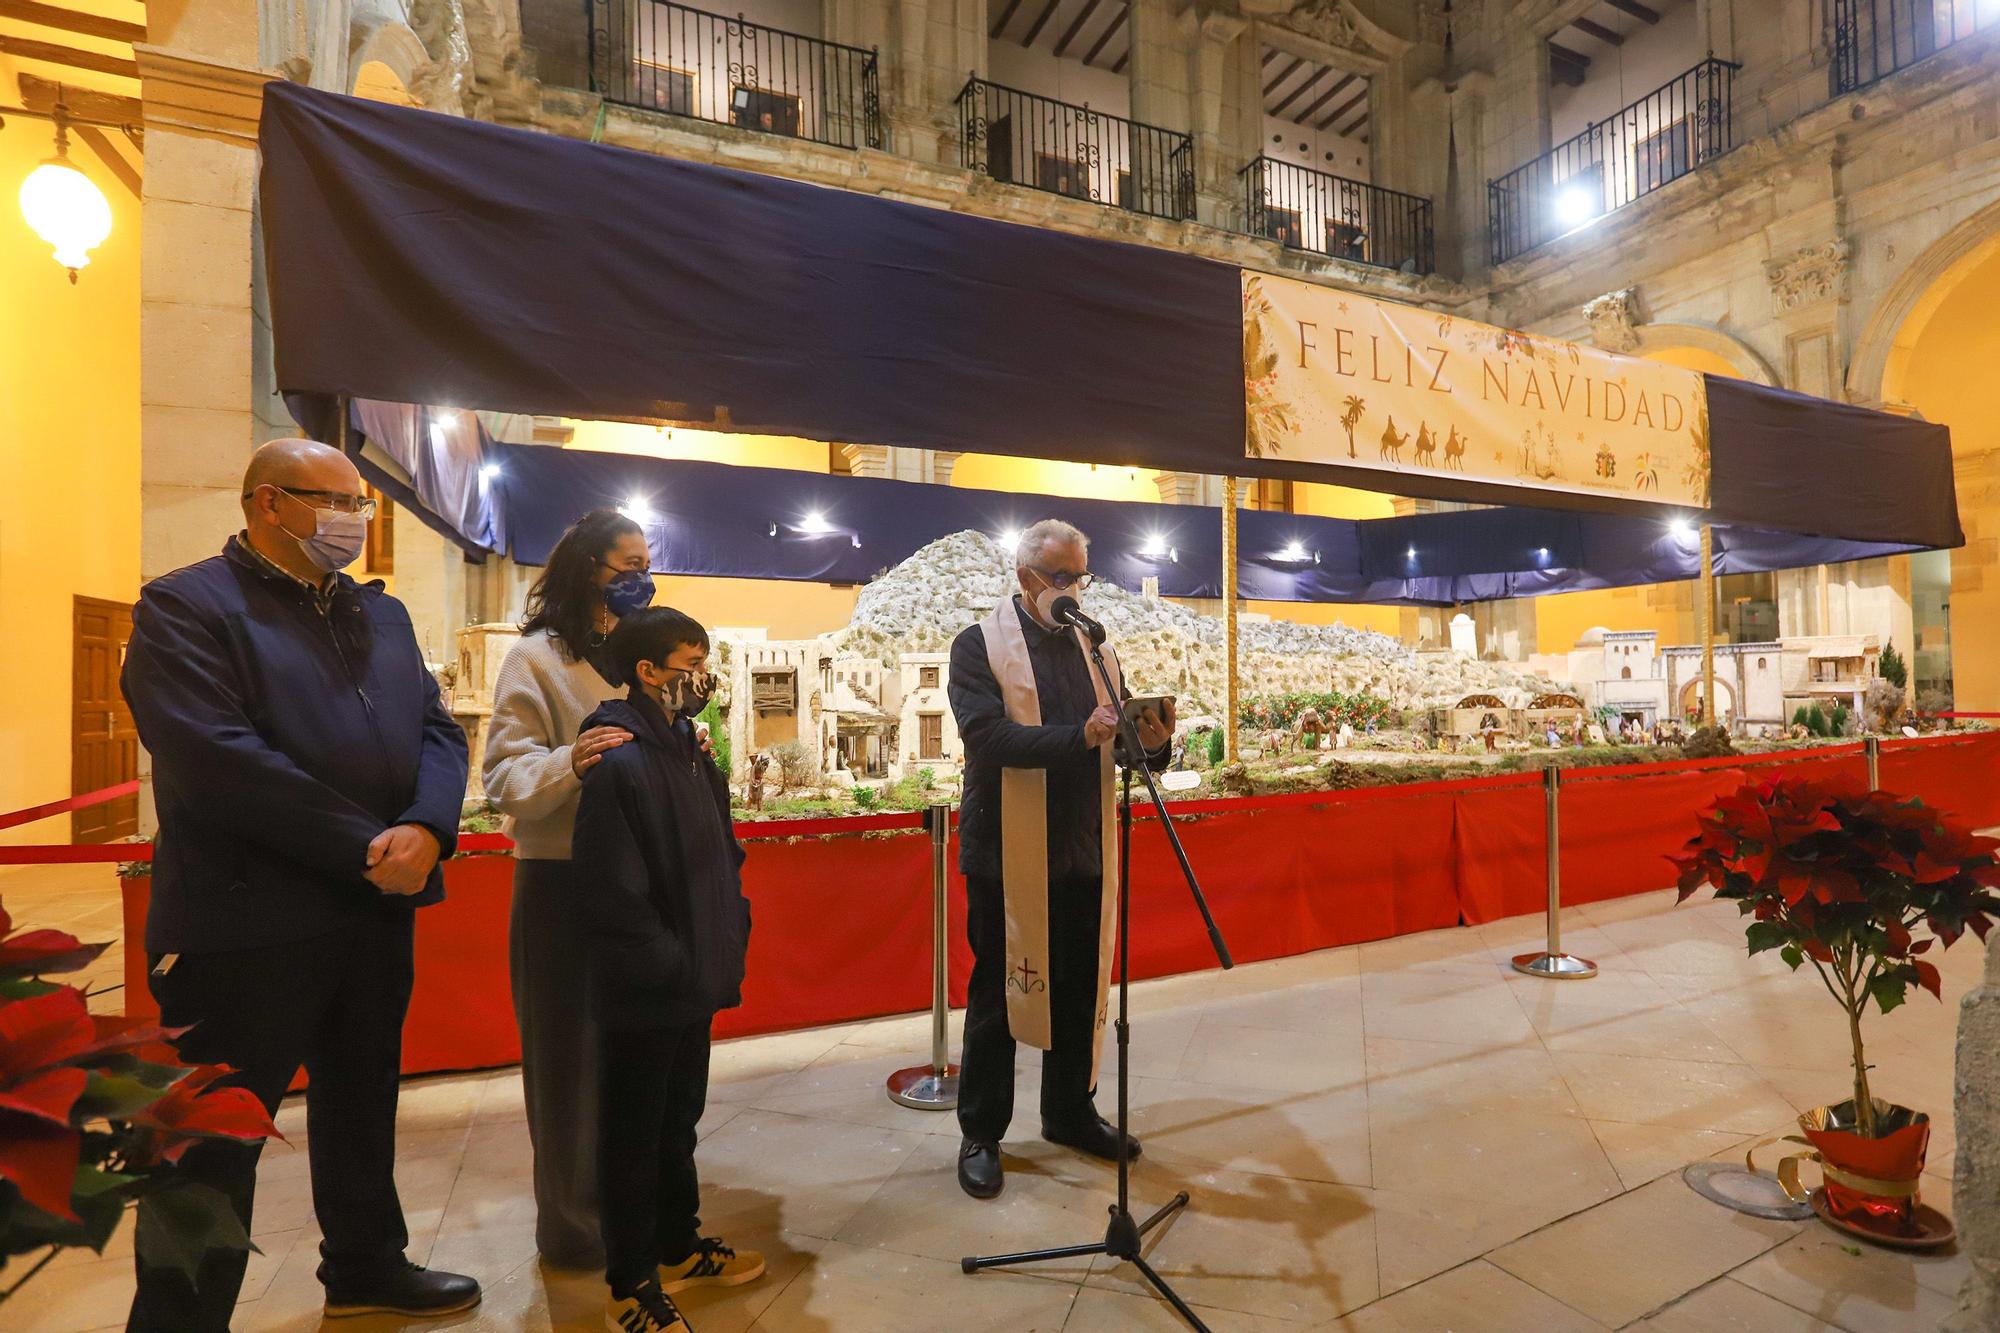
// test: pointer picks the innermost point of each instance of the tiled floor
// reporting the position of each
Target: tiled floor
(1404, 1135)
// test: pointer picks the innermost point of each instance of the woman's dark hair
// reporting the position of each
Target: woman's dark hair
(565, 599)
(651, 635)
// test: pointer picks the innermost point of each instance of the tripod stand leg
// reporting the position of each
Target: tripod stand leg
(1165, 1211)
(1173, 1297)
(973, 1263)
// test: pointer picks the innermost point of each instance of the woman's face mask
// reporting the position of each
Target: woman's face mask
(631, 590)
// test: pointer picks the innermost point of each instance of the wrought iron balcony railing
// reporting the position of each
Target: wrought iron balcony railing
(1037, 141)
(1331, 215)
(1658, 139)
(689, 62)
(1872, 39)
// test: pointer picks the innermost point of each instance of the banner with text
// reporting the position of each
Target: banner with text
(1331, 376)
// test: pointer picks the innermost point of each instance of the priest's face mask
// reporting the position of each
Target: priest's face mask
(1058, 568)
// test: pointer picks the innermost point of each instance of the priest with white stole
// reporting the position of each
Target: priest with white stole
(1037, 846)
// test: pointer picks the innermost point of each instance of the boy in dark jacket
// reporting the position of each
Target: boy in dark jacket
(668, 925)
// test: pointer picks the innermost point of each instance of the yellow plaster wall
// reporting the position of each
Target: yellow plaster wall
(1039, 476)
(69, 465)
(1949, 377)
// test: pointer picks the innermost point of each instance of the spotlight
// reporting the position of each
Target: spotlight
(1009, 538)
(637, 509)
(1154, 547)
(815, 522)
(489, 472)
(1575, 206)
(1683, 529)
(1295, 553)
(445, 417)
(1410, 554)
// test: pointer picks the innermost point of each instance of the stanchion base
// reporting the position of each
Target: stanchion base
(923, 1088)
(1557, 966)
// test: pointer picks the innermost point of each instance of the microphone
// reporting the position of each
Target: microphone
(1067, 611)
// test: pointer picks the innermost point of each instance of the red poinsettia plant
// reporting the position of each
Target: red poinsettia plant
(95, 1110)
(1844, 879)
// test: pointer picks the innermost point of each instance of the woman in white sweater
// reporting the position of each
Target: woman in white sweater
(552, 680)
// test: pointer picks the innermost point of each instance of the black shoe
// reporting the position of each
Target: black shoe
(1099, 1139)
(979, 1172)
(407, 1289)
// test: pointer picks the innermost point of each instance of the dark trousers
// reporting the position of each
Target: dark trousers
(653, 1089)
(334, 1004)
(986, 1065)
(549, 965)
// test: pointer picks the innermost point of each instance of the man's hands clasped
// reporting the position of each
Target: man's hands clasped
(400, 859)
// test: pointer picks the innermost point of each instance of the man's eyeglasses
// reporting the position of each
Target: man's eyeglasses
(361, 505)
(1062, 580)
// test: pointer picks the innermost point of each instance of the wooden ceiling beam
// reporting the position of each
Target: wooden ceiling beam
(1344, 108)
(1111, 30)
(1300, 91)
(1298, 63)
(69, 20)
(1119, 68)
(1347, 131)
(1324, 98)
(1638, 11)
(1569, 57)
(1069, 33)
(113, 160)
(1006, 16)
(25, 48)
(38, 94)
(1599, 31)
(1041, 23)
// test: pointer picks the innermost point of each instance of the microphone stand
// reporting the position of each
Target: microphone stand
(1123, 1237)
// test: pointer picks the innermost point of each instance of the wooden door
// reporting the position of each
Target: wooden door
(104, 745)
(930, 735)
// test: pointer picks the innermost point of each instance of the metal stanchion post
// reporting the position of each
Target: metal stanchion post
(1553, 962)
(934, 1087)
(1872, 747)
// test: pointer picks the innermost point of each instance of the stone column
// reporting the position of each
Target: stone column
(876, 460)
(1975, 1179)
(1214, 54)
(931, 48)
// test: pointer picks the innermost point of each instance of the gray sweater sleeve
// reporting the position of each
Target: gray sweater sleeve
(527, 766)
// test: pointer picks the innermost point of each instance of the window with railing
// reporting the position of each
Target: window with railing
(1872, 39)
(689, 62)
(1070, 150)
(1656, 140)
(1330, 215)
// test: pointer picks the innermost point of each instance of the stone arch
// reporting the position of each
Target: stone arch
(390, 44)
(1882, 350)
(1707, 338)
(1725, 699)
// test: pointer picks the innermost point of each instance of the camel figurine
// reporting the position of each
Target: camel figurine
(1311, 722)
(1426, 445)
(1454, 451)
(1392, 442)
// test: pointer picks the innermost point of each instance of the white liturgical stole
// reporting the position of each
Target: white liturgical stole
(1024, 843)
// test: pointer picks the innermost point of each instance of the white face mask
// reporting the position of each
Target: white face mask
(337, 539)
(1043, 602)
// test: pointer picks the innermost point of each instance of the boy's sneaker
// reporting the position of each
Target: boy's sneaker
(646, 1310)
(712, 1264)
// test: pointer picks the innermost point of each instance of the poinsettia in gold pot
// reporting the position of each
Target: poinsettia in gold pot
(1860, 885)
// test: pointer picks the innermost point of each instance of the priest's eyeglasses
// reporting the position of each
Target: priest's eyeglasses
(1062, 580)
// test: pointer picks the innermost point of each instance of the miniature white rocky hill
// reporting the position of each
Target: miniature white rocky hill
(922, 604)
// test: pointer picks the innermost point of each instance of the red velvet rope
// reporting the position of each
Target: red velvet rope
(67, 804)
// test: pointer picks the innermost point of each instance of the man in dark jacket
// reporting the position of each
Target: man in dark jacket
(1044, 672)
(668, 928)
(308, 780)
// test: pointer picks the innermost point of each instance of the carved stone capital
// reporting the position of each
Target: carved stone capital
(1808, 277)
(201, 97)
(1614, 320)
(1340, 25)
